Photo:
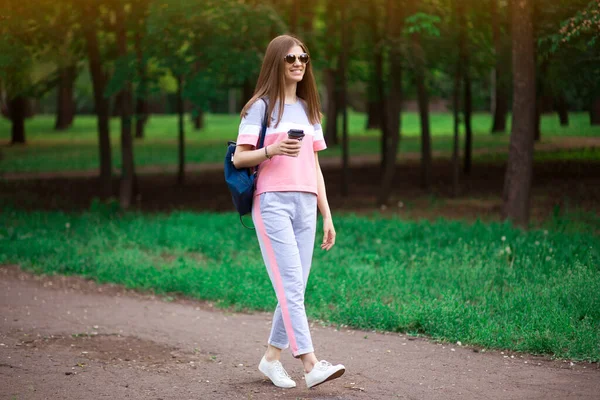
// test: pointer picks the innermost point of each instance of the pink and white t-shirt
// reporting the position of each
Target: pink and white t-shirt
(283, 173)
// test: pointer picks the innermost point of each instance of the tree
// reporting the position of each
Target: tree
(65, 103)
(198, 114)
(66, 49)
(418, 26)
(376, 75)
(141, 102)
(207, 47)
(456, 103)
(331, 73)
(393, 103)
(22, 32)
(568, 73)
(501, 69)
(343, 70)
(40, 52)
(578, 37)
(128, 180)
(465, 75)
(517, 182)
(89, 13)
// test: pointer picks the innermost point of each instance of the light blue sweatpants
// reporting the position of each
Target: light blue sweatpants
(286, 225)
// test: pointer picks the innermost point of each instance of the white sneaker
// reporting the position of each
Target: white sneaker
(322, 372)
(276, 373)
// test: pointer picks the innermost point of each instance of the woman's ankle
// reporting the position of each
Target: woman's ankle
(308, 367)
(308, 361)
(272, 354)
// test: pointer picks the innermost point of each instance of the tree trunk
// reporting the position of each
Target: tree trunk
(198, 115)
(595, 112)
(199, 119)
(308, 11)
(294, 13)
(501, 107)
(127, 186)
(330, 75)
(423, 101)
(385, 129)
(141, 117)
(141, 106)
(459, 74)
(375, 104)
(562, 108)
(456, 144)
(519, 170)
(394, 106)
(343, 102)
(101, 104)
(117, 105)
(500, 100)
(181, 141)
(466, 77)
(378, 79)
(385, 121)
(332, 111)
(374, 114)
(17, 109)
(537, 135)
(468, 107)
(542, 101)
(65, 110)
(247, 91)
(3, 102)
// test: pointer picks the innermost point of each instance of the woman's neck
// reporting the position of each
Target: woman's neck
(290, 93)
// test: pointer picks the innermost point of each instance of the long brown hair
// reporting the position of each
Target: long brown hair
(271, 81)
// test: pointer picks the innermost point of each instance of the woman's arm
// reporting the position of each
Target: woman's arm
(323, 205)
(245, 157)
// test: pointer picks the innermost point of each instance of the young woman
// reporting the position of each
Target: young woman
(289, 189)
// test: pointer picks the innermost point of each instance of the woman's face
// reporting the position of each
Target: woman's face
(294, 72)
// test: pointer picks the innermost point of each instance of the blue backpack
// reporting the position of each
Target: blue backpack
(241, 182)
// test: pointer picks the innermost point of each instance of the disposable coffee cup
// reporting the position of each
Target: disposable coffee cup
(297, 134)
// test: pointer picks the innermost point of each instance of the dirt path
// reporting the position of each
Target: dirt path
(68, 338)
(548, 145)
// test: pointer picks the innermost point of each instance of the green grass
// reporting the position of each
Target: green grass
(484, 284)
(224, 127)
(77, 148)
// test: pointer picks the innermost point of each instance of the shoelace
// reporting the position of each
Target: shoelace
(323, 365)
(279, 368)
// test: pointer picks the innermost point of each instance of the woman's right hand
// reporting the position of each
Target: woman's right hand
(286, 147)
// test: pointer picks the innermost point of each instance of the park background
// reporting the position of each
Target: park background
(462, 166)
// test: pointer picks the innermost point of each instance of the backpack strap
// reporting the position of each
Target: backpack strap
(261, 142)
(265, 121)
(246, 226)
(263, 129)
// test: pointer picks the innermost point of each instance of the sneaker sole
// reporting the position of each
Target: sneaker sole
(331, 377)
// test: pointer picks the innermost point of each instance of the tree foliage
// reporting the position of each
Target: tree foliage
(570, 42)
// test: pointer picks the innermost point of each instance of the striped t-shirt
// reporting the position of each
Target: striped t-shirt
(283, 173)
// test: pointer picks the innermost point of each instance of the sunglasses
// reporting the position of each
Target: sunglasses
(291, 58)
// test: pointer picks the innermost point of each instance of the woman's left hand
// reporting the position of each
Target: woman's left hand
(328, 234)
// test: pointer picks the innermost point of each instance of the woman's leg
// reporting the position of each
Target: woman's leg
(278, 337)
(273, 353)
(304, 225)
(288, 257)
(272, 214)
